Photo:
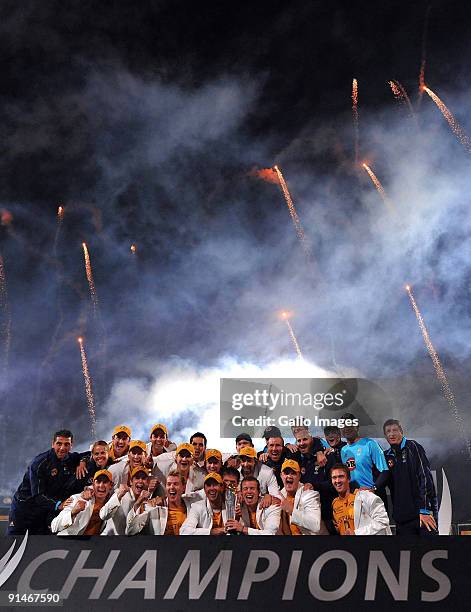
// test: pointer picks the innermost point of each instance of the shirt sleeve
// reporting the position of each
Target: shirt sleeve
(377, 456)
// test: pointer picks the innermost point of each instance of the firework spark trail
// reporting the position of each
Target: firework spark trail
(356, 133)
(88, 270)
(379, 187)
(454, 125)
(401, 96)
(266, 174)
(292, 210)
(60, 218)
(5, 308)
(88, 388)
(424, 56)
(285, 316)
(447, 392)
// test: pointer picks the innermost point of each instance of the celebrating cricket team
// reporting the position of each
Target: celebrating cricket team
(335, 485)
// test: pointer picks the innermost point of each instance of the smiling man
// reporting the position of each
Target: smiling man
(208, 517)
(87, 512)
(119, 445)
(357, 513)
(253, 519)
(159, 442)
(250, 466)
(48, 481)
(301, 509)
(137, 456)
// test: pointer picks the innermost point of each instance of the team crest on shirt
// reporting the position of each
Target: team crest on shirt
(390, 463)
(54, 471)
(303, 470)
(350, 463)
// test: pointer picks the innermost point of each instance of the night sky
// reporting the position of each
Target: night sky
(148, 122)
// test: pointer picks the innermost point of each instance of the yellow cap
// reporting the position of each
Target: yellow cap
(142, 445)
(213, 452)
(106, 473)
(213, 476)
(185, 446)
(119, 428)
(248, 451)
(139, 468)
(290, 463)
(159, 426)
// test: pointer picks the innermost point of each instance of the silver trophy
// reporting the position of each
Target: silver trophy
(230, 498)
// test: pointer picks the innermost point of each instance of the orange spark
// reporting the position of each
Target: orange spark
(60, 217)
(454, 125)
(6, 217)
(401, 95)
(292, 210)
(133, 248)
(285, 315)
(424, 55)
(88, 388)
(266, 174)
(5, 328)
(440, 372)
(355, 119)
(88, 271)
(60, 212)
(379, 187)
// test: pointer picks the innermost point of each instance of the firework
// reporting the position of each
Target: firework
(88, 271)
(133, 248)
(401, 96)
(377, 183)
(440, 372)
(454, 125)
(266, 174)
(6, 315)
(424, 55)
(356, 133)
(88, 388)
(286, 316)
(292, 210)
(60, 218)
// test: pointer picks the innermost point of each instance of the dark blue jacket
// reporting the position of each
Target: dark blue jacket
(410, 481)
(47, 482)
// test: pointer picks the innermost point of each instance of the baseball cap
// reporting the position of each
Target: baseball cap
(159, 426)
(119, 428)
(248, 451)
(106, 473)
(272, 432)
(213, 476)
(138, 469)
(244, 436)
(185, 446)
(290, 463)
(142, 445)
(213, 452)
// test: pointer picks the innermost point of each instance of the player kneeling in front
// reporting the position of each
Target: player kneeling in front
(357, 513)
(300, 508)
(87, 512)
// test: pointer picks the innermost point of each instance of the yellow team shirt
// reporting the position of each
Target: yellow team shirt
(217, 519)
(175, 520)
(293, 528)
(95, 522)
(343, 512)
(253, 519)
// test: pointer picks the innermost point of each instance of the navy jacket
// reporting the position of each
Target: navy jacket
(410, 481)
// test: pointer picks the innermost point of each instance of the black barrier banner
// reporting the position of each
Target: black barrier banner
(235, 572)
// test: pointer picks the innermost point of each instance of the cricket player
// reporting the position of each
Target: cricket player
(207, 517)
(119, 445)
(250, 466)
(159, 442)
(358, 513)
(253, 519)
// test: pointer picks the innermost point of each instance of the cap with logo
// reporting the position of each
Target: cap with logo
(248, 451)
(185, 446)
(290, 463)
(138, 469)
(159, 426)
(213, 476)
(138, 443)
(106, 473)
(122, 428)
(213, 452)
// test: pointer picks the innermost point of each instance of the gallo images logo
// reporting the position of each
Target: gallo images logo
(9, 563)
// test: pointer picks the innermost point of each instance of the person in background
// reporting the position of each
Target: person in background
(121, 470)
(274, 457)
(213, 460)
(159, 442)
(232, 459)
(333, 442)
(414, 498)
(119, 445)
(200, 443)
(360, 512)
(364, 458)
(250, 466)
